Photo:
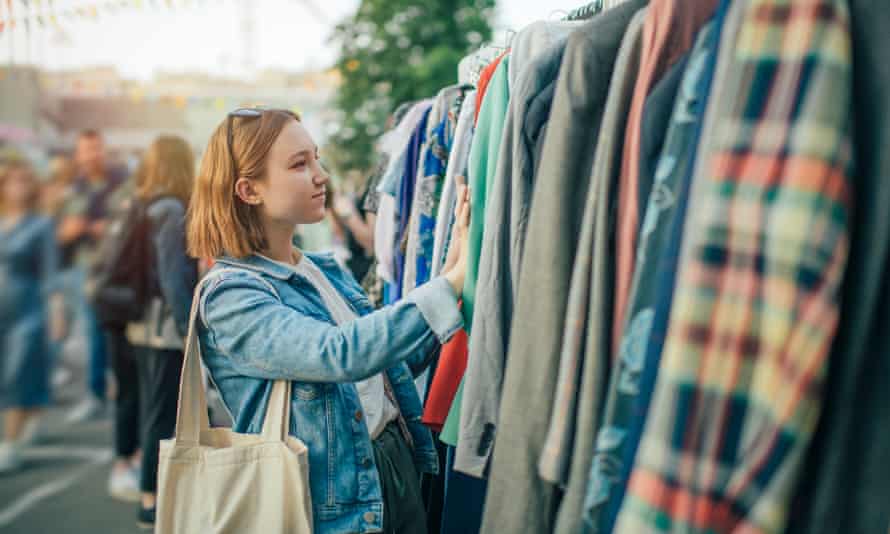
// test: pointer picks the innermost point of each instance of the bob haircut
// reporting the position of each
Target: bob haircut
(168, 168)
(220, 223)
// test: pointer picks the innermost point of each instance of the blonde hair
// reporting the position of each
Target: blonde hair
(219, 222)
(168, 168)
(9, 167)
(61, 170)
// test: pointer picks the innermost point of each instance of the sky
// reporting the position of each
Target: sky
(206, 35)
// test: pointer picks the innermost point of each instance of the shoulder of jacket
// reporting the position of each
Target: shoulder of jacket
(220, 278)
(43, 221)
(234, 277)
(164, 207)
(41, 224)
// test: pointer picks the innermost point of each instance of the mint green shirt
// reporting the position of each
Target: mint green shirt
(483, 162)
(484, 152)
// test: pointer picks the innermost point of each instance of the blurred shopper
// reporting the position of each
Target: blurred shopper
(358, 233)
(30, 311)
(57, 188)
(339, 232)
(112, 258)
(53, 195)
(164, 188)
(82, 224)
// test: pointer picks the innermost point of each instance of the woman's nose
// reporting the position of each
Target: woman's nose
(321, 177)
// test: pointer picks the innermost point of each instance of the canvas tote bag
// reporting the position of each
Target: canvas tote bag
(215, 481)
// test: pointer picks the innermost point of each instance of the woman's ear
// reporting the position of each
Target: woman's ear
(247, 192)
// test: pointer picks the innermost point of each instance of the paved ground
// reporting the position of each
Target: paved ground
(62, 487)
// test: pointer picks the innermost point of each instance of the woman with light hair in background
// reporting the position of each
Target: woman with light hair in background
(30, 310)
(164, 186)
(54, 193)
(57, 187)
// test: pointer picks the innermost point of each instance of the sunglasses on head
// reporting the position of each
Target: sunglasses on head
(241, 113)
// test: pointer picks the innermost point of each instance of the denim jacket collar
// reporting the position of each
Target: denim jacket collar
(259, 264)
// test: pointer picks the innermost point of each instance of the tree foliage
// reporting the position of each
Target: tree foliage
(395, 51)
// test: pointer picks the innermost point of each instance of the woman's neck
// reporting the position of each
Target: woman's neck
(280, 244)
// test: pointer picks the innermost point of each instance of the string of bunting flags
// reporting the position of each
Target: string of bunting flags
(80, 88)
(52, 13)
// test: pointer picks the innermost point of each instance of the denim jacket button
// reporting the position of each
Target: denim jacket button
(358, 415)
(370, 517)
(366, 462)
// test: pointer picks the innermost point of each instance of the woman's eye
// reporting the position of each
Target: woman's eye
(298, 165)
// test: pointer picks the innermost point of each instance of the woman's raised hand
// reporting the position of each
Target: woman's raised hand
(456, 265)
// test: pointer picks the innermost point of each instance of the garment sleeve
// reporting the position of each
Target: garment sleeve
(490, 327)
(177, 273)
(484, 153)
(267, 339)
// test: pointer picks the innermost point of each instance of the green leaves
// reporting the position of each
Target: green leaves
(395, 51)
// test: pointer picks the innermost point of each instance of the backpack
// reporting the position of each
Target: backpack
(119, 280)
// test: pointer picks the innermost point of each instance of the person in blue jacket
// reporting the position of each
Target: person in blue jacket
(269, 311)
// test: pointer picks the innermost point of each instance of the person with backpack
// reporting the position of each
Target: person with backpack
(161, 278)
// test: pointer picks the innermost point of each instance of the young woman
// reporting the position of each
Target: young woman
(277, 313)
(164, 186)
(28, 259)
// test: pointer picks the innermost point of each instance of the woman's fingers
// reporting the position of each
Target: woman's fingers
(461, 203)
(462, 209)
(466, 207)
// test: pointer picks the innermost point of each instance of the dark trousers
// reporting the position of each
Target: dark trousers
(124, 363)
(159, 373)
(464, 500)
(433, 487)
(98, 358)
(403, 511)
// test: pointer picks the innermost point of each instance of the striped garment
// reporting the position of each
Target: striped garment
(756, 305)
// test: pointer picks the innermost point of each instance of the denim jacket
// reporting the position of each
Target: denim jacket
(262, 321)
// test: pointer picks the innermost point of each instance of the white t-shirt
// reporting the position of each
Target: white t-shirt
(379, 410)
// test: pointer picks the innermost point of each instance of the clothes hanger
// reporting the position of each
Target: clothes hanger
(508, 39)
(470, 67)
(586, 11)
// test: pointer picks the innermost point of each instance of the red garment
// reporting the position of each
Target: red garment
(668, 32)
(482, 84)
(450, 371)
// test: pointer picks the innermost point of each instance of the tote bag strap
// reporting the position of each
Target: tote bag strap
(191, 413)
(276, 424)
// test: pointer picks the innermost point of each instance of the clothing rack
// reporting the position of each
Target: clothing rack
(472, 65)
(587, 11)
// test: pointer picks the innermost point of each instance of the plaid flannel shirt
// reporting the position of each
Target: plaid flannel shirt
(756, 304)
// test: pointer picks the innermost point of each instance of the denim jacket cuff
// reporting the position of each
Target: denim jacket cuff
(438, 305)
